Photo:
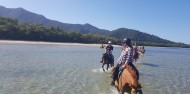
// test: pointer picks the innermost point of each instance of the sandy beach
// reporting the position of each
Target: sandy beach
(48, 43)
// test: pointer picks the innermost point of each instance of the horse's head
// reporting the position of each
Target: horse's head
(105, 55)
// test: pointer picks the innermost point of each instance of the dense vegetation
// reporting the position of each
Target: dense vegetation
(11, 29)
(40, 28)
(144, 39)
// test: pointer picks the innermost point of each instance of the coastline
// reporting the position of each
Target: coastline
(49, 43)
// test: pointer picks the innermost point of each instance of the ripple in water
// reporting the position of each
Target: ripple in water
(53, 69)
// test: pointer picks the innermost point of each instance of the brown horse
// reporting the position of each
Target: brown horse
(142, 50)
(128, 82)
(135, 55)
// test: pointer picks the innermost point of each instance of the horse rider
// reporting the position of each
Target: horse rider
(142, 50)
(135, 47)
(135, 52)
(126, 58)
(109, 49)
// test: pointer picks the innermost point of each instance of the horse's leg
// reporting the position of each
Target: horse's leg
(103, 66)
(141, 92)
(107, 66)
(121, 92)
(112, 61)
(112, 64)
(134, 60)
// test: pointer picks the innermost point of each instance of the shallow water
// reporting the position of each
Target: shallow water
(55, 69)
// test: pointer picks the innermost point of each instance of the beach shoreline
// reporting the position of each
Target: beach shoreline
(49, 43)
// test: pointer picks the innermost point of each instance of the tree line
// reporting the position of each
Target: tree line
(11, 29)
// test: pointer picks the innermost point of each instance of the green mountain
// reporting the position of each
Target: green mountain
(25, 18)
(143, 38)
(10, 29)
(136, 35)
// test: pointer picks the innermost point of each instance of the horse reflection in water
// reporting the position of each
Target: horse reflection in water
(107, 59)
(128, 82)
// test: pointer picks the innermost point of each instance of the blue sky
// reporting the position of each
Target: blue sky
(168, 19)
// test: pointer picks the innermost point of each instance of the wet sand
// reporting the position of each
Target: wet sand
(48, 43)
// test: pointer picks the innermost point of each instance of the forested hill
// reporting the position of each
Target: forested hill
(143, 38)
(23, 16)
(10, 29)
(136, 35)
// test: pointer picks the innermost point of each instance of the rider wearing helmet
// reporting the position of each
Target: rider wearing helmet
(125, 59)
(109, 50)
